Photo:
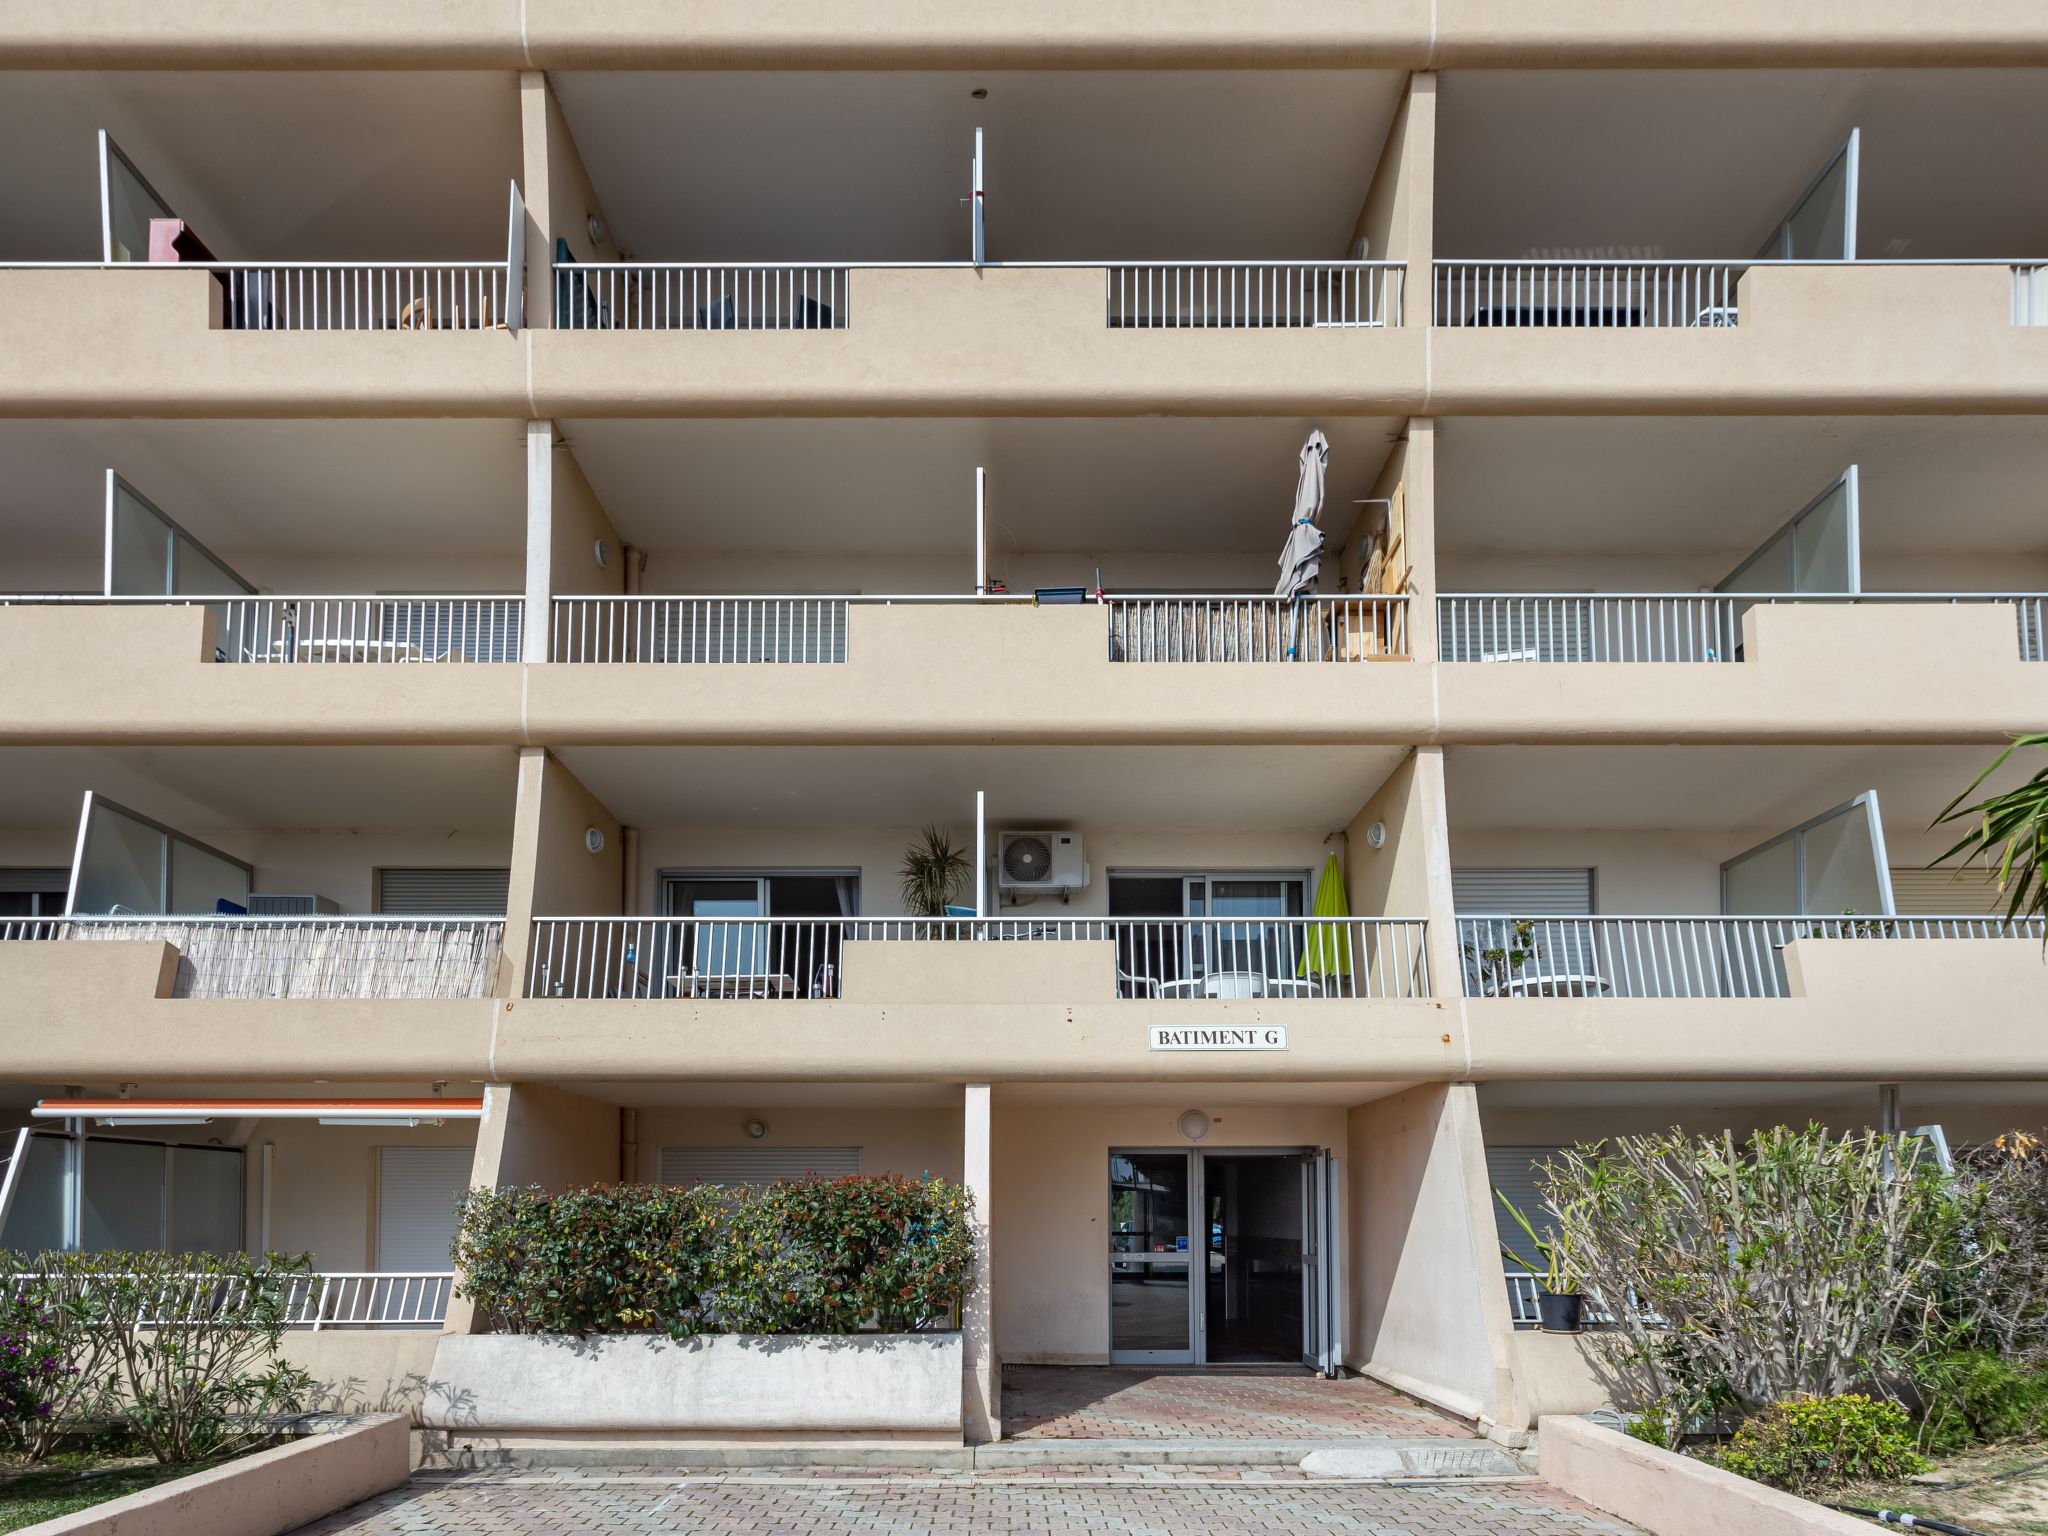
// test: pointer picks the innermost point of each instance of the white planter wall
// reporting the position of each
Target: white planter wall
(718, 1384)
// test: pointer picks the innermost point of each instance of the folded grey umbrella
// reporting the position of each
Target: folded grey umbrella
(1301, 557)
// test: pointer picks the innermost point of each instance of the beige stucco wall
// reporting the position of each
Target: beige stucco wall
(577, 522)
(323, 1193)
(1051, 1171)
(911, 1141)
(1426, 1310)
(535, 1133)
(892, 34)
(1864, 337)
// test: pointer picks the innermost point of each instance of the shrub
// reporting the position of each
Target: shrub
(34, 1374)
(1809, 1444)
(2001, 1304)
(804, 1256)
(181, 1348)
(1973, 1396)
(1797, 1264)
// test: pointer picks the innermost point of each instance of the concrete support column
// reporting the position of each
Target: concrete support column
(1418, 494)
(556, 871)
(981, 1396)
(1431, 819)
(560, 199)
(1397, 222)
(540, 538)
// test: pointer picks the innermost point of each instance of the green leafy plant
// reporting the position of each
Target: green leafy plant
(934, 872)
(1810, 1444)
(1497, 963)
(1975, 1396)
(1551, 1267)
(802, 1256)
(180, 1348)
(1794, 1264)
(2010, 832)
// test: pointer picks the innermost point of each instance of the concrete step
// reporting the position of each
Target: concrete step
(1371, 1458)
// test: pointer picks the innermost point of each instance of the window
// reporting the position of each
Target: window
(106, 1192)
(33, 892)
(443, 892)
(418, 1189)
(1563, 948)
(747, 947)
(758, 1166)
(1230, 924)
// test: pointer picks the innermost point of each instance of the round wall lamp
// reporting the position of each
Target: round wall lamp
(1376, 835)
(756, 1129)
(1192, 1124)
(595, 226)
(603, 552)
(593, 840)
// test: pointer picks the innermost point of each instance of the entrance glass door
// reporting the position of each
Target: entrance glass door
(1151, 1257)
(1224, 1257)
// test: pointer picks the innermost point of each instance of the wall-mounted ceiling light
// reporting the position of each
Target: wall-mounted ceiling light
(595, 226)
(603, 552)
(1192, 1124)
(593, 840)
(1376, 835)
(757, 1129)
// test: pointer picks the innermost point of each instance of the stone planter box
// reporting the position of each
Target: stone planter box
(719, 1385)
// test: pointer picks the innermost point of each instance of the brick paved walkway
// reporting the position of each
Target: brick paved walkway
(967, 1503)
(1085, 1402)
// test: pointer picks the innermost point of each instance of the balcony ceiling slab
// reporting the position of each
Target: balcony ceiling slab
(1711, 485)
(1703, 163)
(1745, 793)
(1081, 165)
(411, 166)
(398, 490)
(906, 485)
(826, 788)
(202, 789)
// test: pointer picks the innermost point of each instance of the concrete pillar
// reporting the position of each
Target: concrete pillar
(560, 198)
(540, 538)
(981, 1395)
(1418, 493)
(1397, 222)
(555, 871)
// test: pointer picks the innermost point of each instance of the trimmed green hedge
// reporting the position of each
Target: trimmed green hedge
(804, 1256)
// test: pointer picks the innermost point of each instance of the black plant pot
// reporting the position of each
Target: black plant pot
(1559, 1314)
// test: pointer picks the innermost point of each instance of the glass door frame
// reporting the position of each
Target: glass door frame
(1777, 246)
(1323, 1278)
(1848, 480)
(1867, 803)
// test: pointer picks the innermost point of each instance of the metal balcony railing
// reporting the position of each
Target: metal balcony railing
(1656, 626)
(1254, 295)
(316, 957)
(1258, 629)
(699, 630)
(333, 629)
(1717, 957)
(1603, 295)
(2030, 293)
(688, 296)
(794, 958)
(324, 1300)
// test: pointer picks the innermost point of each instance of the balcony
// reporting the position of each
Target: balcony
(1675, 579)
(766, 934)
(1668, 912)
(244, 911)
(336, 218)
(973, 579)
(1801, 238)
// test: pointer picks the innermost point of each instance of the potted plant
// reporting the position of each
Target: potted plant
(1497, 964)
(1560, 1305)
(934, 871)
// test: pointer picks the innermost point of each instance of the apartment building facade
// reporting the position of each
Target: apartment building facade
(516, 520)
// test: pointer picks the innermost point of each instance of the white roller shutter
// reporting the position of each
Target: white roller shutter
(1523, 892)
(417, 1190)
(1938, 893)
(443, 892)
(759, 1166)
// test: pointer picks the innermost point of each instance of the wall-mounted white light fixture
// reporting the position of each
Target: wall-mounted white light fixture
(593, 840)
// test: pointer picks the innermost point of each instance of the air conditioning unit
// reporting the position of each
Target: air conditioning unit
(1041, 861)
(265, 904)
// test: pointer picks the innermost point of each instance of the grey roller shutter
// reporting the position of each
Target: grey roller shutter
(1516, 1172)
(443, 892)
(1523, 892)
(417, 1188)
(759, 1166)
(1938, 893)
(24, 882)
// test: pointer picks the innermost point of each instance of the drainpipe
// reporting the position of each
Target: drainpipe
(629, 1144)
(635, 560)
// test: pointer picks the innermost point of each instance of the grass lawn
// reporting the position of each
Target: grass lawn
(73, 1483)
(2001, 1490)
